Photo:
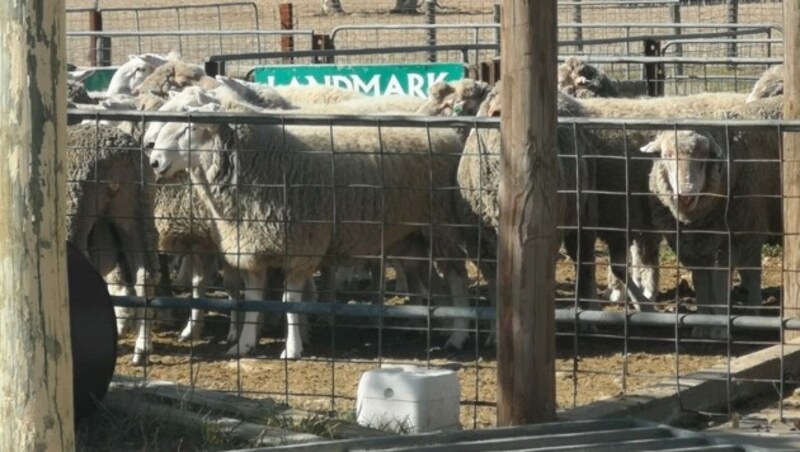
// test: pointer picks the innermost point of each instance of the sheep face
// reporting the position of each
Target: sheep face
(492, 105)
(178, 146)
(179, 101)
(129, 76)
(685, 163)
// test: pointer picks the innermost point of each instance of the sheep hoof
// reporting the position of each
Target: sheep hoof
(239, 350)
(456, 341)
(190, 333)
(291, 354)
(491, 341)
(233, 336)
(139, 359)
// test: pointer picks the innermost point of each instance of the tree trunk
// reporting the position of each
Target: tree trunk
(36, 381)
(405, 7)
(330, 7)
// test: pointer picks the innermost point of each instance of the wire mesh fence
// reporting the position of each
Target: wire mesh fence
(379, 233)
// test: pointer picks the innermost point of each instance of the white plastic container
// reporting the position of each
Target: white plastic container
(408, 399)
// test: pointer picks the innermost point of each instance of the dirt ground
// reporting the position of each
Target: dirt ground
(589, 368)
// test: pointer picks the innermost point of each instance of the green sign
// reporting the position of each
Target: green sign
(371, 79)
(100, 79)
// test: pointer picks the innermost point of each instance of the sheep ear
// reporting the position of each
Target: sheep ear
(715, 148)
(651, 147)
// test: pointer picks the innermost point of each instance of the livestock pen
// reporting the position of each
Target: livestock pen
(391, 303)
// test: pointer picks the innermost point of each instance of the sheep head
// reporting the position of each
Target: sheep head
(179, 100)
(769, 85)
(461, 98)
(129, 77)
(492, 104)
(689, 171)
(179, 146)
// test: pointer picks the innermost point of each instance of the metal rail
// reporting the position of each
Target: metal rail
(448, 312)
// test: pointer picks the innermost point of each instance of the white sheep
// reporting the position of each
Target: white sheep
(226, 181)
(129, 76)
(769, 84)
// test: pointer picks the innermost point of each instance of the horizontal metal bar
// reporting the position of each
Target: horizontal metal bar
(181, 7)
(672, 59)
(346, 52)
(144, 34)
(288, 118)
(670, 36)
(567, 316)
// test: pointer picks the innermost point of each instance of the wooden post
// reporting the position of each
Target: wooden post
(733, 18)
(95, 24)
(287, 23)
(36, 380)
(528, 236)
(791, 165)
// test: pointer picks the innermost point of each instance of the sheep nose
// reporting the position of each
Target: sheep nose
(155, 164)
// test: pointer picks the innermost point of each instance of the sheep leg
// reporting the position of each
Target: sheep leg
(203, 272)
(491, 276)
(457, 281)
(712, 289)
(749, 263)
(585, 265)
(644, 273)
(254, 288)
(230, 278)
(309, 294)
(294, 292)
(702, 280)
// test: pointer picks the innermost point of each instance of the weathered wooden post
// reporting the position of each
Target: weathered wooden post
(528, 236)
(286, 12)
(36, 379)
(791, 165)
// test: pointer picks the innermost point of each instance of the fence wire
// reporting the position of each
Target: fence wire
(358, 216)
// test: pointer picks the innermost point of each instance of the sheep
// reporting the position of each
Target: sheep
(225, 180)
(690, 180)
(317, 94)
(260, 95)
(175, 74)
(461, 98)
(107, 205)
(579, 79)
(478, 179)
(770, 84)
(613, 178)
(128, 77)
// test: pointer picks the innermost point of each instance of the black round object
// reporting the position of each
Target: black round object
(94, 333)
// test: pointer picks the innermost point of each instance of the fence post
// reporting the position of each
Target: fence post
(496, 19)
(322, 42)
(791, 167)
(430, 19)
(37, 403)
(528, 238)
(654, 73)
(95, 25)
(577, 18)
(287, 23)
(675, 16)
(733, 18)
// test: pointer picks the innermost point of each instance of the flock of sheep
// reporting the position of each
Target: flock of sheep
(251, 201)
